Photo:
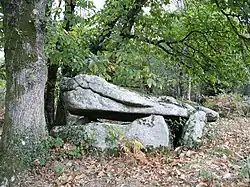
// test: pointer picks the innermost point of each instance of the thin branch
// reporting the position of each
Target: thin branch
(187, 37)
(97, 45)
(200, 52)
(244, 38)
(174, 51)
(131, 16)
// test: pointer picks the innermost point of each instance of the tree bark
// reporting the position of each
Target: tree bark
(26, 71)
(50, 94)
(50, 90)
(61, 112)
(189, 88)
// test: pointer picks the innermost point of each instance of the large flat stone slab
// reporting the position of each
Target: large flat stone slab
(92, 96)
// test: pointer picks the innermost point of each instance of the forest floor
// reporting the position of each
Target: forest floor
(223, 160)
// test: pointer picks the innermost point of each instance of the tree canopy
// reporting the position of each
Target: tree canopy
(125, 44)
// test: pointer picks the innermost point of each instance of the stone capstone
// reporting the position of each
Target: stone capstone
(92, 96)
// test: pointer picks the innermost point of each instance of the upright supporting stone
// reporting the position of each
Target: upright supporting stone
(193, 129)
(151, 131)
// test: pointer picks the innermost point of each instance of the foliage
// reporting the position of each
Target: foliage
(125, 145)
(220, 152)
(198, 39)
(59, 169)
(57, 148)
(245, 168)
(115, 135)
(207, 175)
(131, 146)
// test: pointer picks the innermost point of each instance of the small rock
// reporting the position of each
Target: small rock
(227, 176)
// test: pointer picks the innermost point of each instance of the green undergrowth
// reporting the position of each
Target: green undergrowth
(244, 168)
(58, 149)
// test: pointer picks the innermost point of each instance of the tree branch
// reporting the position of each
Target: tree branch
(130, 17)
(244, 38)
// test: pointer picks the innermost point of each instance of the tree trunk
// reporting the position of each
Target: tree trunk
(50, 94)
(50, 90)
(26, 71)
(61, 112)
(189, 88)
(180, 84)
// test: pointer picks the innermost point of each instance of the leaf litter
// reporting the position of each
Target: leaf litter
(223, 160)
